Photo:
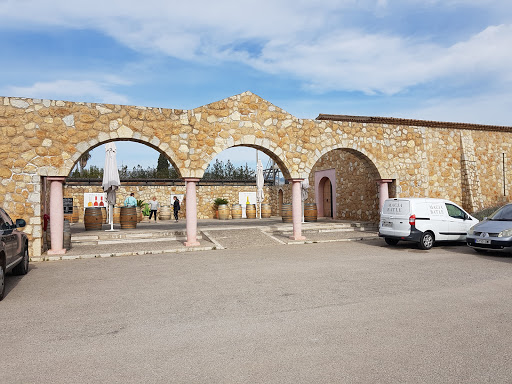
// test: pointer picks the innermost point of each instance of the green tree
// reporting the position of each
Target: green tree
(162, 168)
(82, 160)
(229, 170)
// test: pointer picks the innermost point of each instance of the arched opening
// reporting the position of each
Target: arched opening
(346, 186)
(231, 176)
(144, 170)
(135, 160)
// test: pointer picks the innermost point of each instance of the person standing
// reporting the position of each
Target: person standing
(153, 206)
(130, 201)
(176, 207)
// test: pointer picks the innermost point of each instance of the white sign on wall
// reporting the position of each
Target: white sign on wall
(180, 197)
(242, 200)
(95, 200)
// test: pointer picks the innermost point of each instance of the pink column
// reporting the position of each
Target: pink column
(56, 216)
(296, 210)
(191, 213)
(383, 192)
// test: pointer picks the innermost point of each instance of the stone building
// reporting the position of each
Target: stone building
(352, 163)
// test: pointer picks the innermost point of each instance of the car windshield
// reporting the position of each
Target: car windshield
(503, 214)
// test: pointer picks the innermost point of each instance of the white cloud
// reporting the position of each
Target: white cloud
(493, 109)
(387, 64)
(303, 39)
(81, 90)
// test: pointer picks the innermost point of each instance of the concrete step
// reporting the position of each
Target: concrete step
(311, 228)
(127, 237)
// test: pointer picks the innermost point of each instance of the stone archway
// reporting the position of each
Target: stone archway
(78, 189)
(345, 179)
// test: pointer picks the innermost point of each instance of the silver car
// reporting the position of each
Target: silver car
(494, 233)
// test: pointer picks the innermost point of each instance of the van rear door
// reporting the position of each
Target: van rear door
(395, 218)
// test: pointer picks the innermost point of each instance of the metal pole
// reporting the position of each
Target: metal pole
(504, 180)
(257, 197)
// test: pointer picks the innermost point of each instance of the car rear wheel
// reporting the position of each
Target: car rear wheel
(22, 267)
(390, 241)
(427, 240)
(2, 281)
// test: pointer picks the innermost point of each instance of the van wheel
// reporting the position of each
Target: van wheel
(390, 241)
(427, 241)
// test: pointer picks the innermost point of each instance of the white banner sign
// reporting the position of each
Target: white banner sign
(95, 200)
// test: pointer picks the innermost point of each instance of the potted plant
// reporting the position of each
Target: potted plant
(145, 212)
(217, 202)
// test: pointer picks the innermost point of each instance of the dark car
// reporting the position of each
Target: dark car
(13, 249)
(494, 232)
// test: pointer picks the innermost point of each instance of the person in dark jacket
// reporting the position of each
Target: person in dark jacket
(176, 207)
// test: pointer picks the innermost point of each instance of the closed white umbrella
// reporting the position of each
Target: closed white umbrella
(260, 181)
(304, 186)
(111, 180)
(304, 189)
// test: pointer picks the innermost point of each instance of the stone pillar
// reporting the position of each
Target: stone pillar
(56, 216)
(191, 213)
(296, 209)
(383, 192)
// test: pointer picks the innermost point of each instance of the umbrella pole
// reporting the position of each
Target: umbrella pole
(111, 218)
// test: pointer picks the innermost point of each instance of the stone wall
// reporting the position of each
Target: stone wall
(46, 137)
(206, 194)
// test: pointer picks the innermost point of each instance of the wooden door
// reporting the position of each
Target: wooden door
(327, 198)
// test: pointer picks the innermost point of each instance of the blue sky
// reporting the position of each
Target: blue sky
(446, 60)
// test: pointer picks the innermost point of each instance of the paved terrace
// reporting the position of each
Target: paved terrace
(168, 236)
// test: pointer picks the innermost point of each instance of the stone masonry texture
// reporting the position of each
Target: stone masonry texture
(46, 137)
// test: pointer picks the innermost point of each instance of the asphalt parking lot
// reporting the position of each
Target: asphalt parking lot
(353, 312)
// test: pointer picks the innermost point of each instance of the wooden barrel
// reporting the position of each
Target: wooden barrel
(223, 212)
(93, 218)
(165, 213)
(76, 215)
(117, 213)
(236, 211)
(66, 235)
(310, 213)
(265, 211)
(128, 217)
(286, 211)
(139, 214)
(104, 214)
(250, 211)
(68, 217)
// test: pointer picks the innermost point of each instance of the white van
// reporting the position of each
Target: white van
(424, 221)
